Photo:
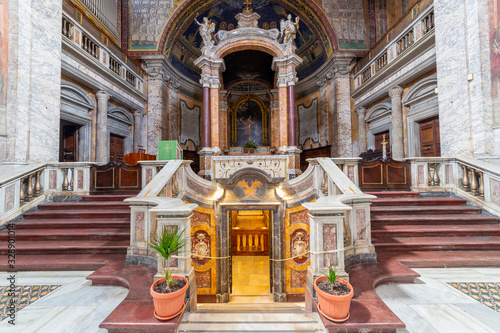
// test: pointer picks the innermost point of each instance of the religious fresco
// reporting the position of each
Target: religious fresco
(494, 29)
(190, 124)
(308, 122)
(4, 28)
(347, 18)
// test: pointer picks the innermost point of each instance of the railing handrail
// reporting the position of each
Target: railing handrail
(468, 161)
(30, 169)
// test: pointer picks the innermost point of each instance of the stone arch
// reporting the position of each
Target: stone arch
(422, 101)
(268, 46)
(378, 119)
(76, 105)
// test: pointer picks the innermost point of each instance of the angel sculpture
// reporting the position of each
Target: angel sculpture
(288, 29)
(207, 28)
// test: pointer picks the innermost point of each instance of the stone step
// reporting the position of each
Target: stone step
(61, 262)
(422, 210)
(380, 232)
(107, 197)
(67, 247)
(251, 322)
(74, 223)
(438, 243)
(447, 258)
(394, 194)
(70, 234)
(380, 219)
(65, 214)
(418, 201)
(85, 205)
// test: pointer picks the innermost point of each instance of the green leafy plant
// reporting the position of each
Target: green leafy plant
(167, 244)
(250, 144)
(332, 276)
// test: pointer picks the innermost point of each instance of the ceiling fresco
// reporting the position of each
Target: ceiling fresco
(154, 26)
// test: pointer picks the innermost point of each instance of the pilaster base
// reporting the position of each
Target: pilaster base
(206, 169)
(293, 169)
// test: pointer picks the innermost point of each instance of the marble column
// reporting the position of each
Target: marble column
(102, 144)
(292, 121)
(397, 139)
(343, 103)
(206, 117)
(223, 119)
(275, 119)
(464, 78)
(173, 110)
(362, 129)
(157, 120)
(283, 117)
(214, 116)
(137, 130)
(323, 111)
(31, 112)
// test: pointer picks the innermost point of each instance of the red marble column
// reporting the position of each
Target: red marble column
(292, 135)
(206, 117)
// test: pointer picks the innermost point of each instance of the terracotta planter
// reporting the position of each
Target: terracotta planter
(168, 305)
(334, 307)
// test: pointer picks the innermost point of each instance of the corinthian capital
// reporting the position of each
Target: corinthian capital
(395, 91)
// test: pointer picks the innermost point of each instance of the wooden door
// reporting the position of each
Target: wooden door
(430, 144)
(379, 138)
(116, 148)
(70, 143)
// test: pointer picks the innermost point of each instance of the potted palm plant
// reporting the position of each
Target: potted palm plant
(168, 292)
(334, 296)
(249, 147)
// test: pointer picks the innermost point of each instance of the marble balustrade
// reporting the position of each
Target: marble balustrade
(472, 179)
(27, 186)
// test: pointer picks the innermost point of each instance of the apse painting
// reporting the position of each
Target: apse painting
(186, 49)
(248, 123)
(4, 28)
(347, 18)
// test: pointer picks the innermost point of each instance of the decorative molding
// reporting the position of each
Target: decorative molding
(273, 166)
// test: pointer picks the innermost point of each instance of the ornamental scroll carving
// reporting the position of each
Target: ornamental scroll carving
(200, 247)
(300, 245)
(226, 166)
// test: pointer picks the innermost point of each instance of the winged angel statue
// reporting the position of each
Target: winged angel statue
(207, 28)
(288, 29)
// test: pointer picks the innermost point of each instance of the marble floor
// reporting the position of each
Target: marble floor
(251, 276)
(74, 306)
(432, 304)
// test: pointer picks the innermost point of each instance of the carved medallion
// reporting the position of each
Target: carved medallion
(299, 246)
(200, 247)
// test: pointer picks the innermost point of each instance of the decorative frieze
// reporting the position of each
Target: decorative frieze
(226, 166)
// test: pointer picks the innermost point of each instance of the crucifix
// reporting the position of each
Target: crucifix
(248, 124)
(247, 2)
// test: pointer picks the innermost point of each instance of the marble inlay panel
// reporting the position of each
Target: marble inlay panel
(52, 179)
(139, 226)
(299, 217)
(226, 166)
(421, 178)
(298, 278)
(203, 279)
(200, 218)
(350, 173)
(149, 176)
(361, 224)
(330, 243)
(449, 174)
(9, 197)
(302, 186)
(23, 296)
(495, 191)
(80, 179)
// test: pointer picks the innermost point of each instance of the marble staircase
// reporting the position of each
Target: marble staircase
(433, 231)
(71, 235)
